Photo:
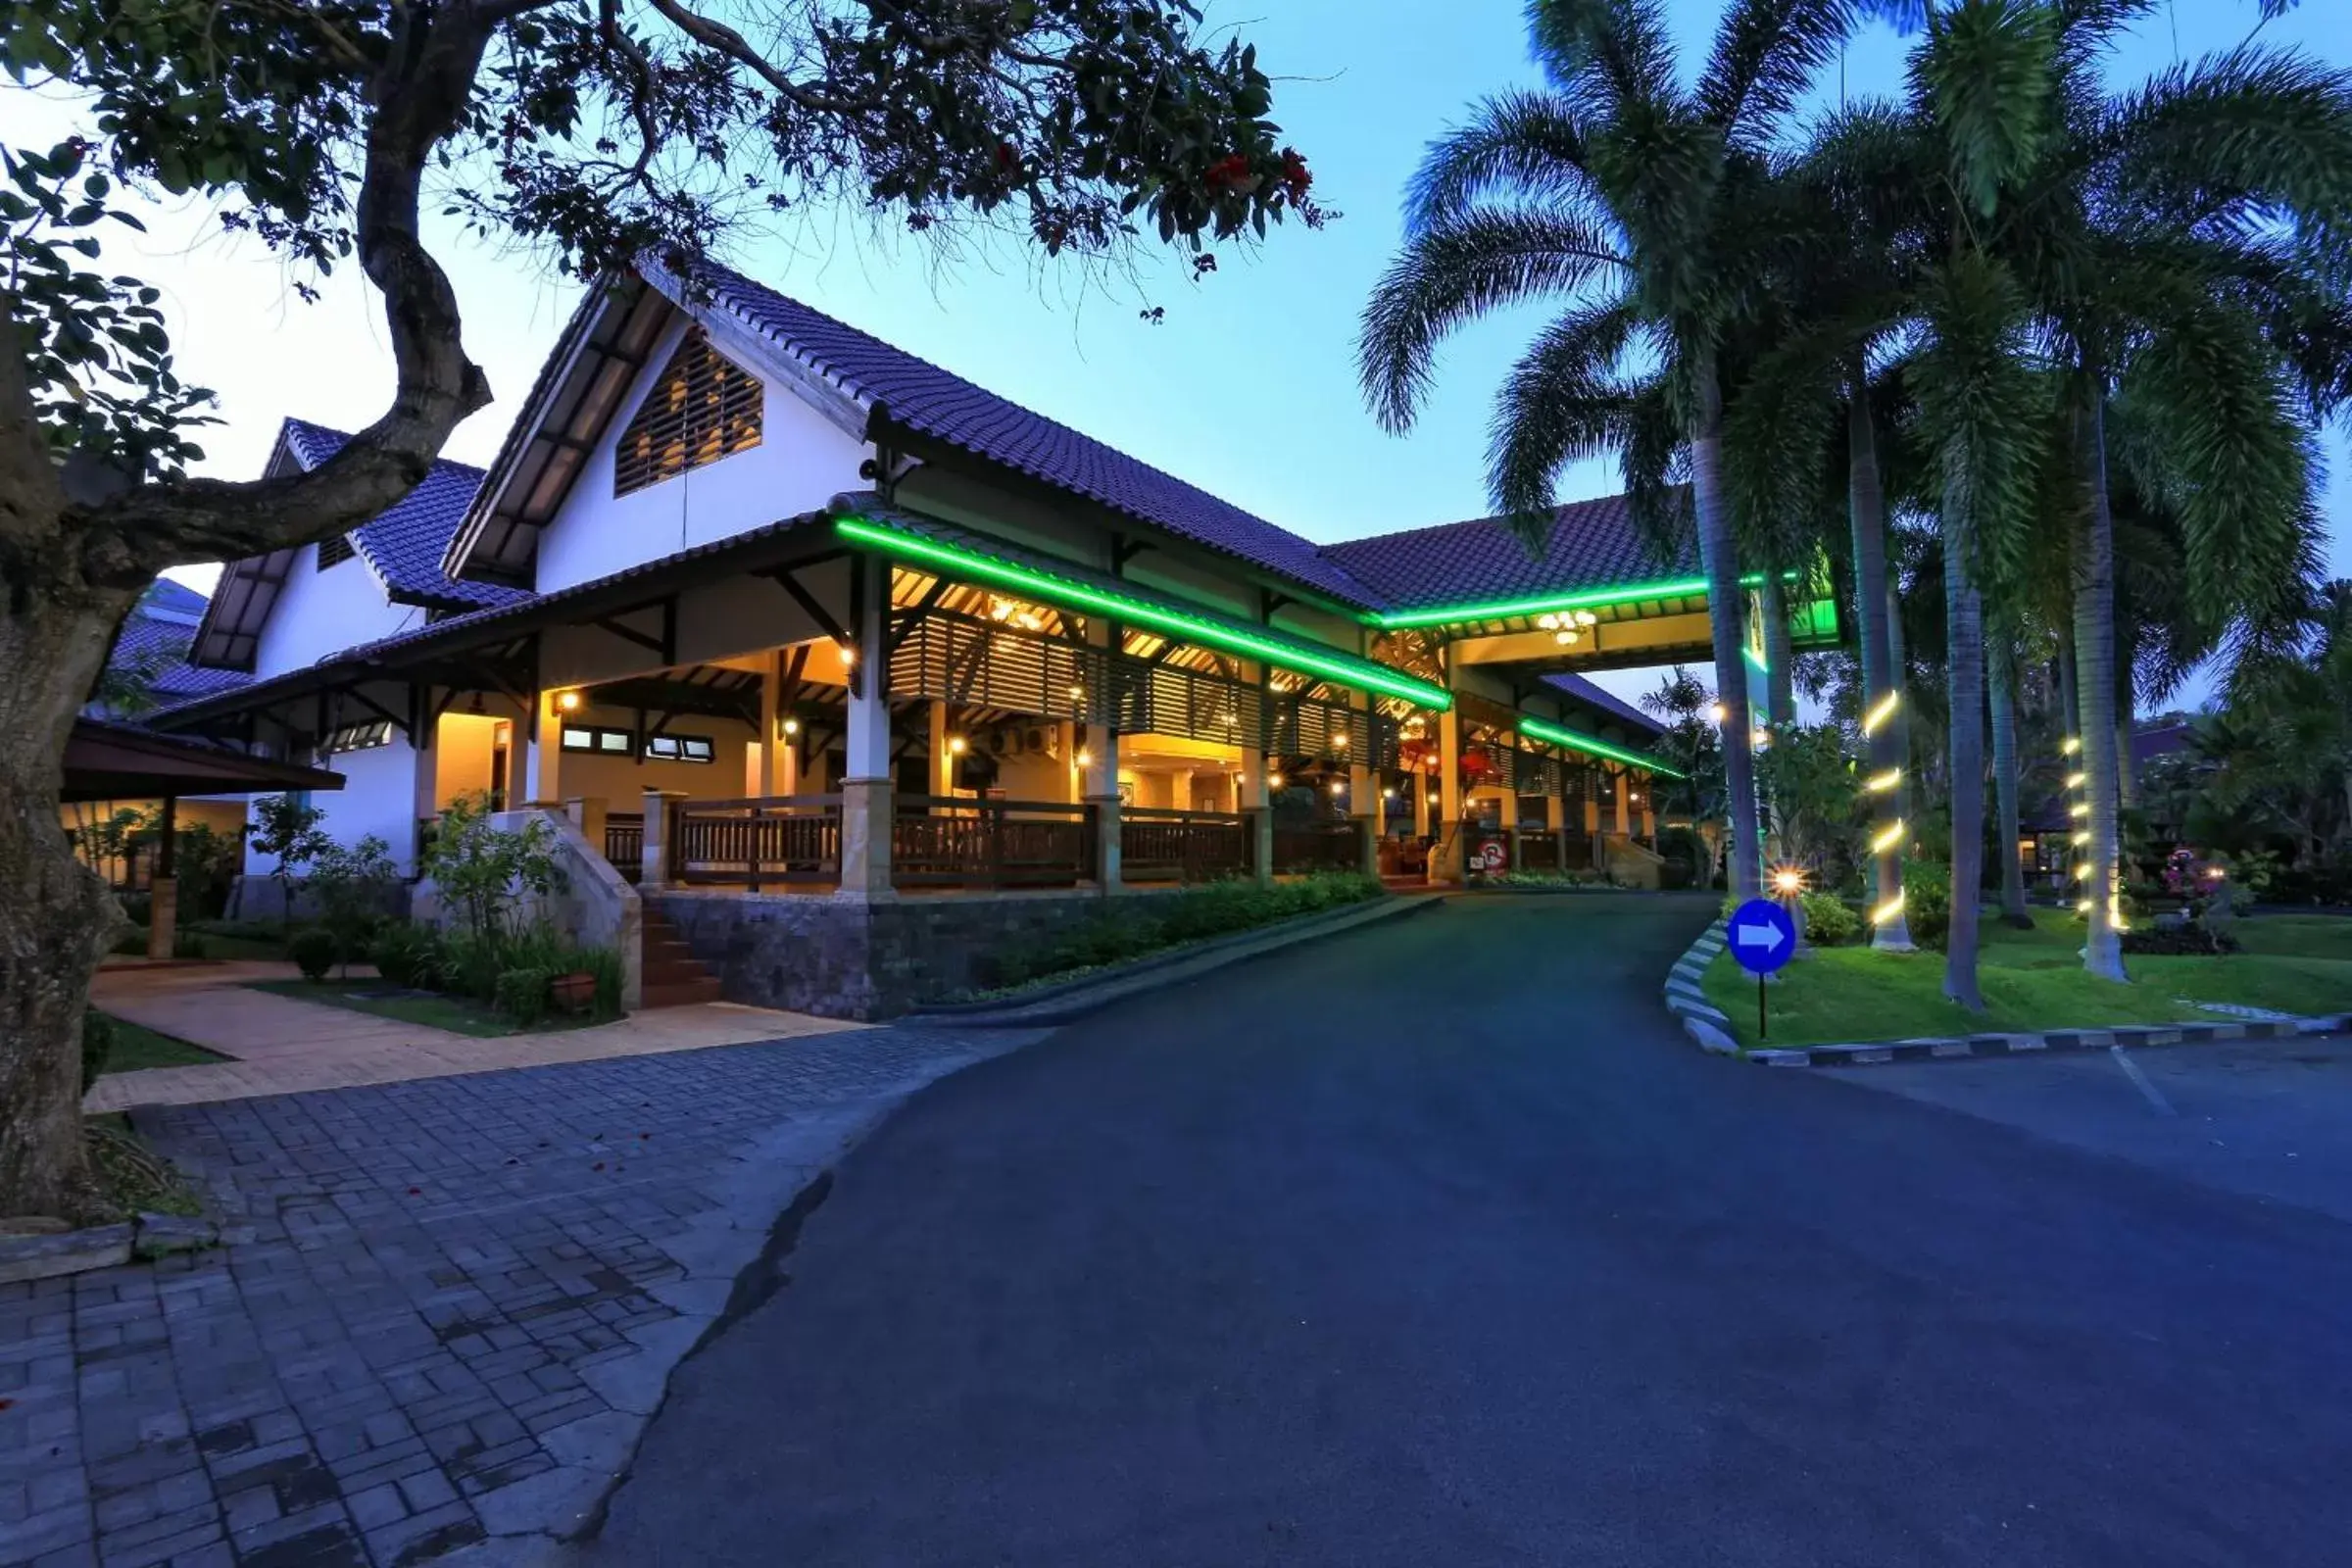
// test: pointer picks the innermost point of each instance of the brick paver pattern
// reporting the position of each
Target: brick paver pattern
(420, 1281)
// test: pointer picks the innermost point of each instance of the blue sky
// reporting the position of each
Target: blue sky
(1248, 389)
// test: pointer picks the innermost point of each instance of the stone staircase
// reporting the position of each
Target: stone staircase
(674, 976)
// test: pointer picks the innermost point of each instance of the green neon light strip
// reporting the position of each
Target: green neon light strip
(1584, 599)
(1576, 741)
(1359, 673)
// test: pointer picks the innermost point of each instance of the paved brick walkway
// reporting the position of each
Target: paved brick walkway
(283, 1046)
(446, 1310)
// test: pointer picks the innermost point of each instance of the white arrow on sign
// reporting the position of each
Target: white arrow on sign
(1767, 937)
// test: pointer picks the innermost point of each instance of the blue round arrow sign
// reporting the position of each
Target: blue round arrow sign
(1762, 935)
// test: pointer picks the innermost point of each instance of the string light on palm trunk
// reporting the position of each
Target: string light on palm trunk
(1890, 838)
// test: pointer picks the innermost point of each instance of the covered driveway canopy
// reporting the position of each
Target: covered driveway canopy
(110, 762)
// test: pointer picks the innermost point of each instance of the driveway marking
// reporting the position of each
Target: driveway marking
(2139, 1080)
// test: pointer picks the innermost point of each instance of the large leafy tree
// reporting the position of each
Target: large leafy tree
(597, 133)
(1648, 208)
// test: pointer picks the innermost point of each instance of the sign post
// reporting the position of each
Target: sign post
(1763, 938)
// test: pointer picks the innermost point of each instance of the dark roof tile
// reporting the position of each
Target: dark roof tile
(930, 401)
(404, 543)
(1593, 544)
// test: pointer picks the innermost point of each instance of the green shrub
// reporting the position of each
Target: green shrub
(188, 945)
(132, 944)
(1928, 901)
(1196, 914)
(521, 993)
(313, 951)
(403, 952)
(1829, 923)
(471, 965)
(97, 1044)
(604, 964)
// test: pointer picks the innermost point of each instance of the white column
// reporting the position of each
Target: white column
(866, 808)
(1065, 747)
(763, 770)
(544, 781)
(1252, 797)
(943, 759)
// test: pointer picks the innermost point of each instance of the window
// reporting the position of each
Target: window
(597, 738)
(334, 552)
(358, 737)
(704, 408)
(679, 748)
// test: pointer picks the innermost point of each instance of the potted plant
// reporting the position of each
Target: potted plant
(575, 992)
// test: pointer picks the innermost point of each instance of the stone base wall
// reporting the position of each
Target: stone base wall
(844, 956)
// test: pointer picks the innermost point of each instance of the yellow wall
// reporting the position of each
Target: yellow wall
(621, 781)
(461, 744)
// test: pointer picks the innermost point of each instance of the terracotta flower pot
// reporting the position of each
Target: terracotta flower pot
(575, 992)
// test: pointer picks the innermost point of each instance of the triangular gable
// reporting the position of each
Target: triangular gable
(702, 408)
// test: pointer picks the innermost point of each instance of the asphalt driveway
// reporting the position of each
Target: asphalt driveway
(1436, 1244)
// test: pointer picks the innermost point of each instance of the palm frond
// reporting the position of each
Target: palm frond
(1986, 73)
(1988, 412)
(1528, 144)
(1454, 272)
(1610, 57)
(1565, 401)
(1656, 465)
(1766, 55)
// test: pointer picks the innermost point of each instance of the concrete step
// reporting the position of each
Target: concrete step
(663, 971)
(680, 993)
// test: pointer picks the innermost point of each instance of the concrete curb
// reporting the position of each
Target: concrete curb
(1708, 1025)
(1066, 1003)
(1701, 1019)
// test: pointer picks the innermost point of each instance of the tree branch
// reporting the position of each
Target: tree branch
(419, 95)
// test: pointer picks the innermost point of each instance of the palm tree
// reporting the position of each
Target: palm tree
(1648, 207)
(2169, 245)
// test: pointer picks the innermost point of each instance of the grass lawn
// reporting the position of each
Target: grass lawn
(136, 1046)
(2034, 980)
(460, 1016)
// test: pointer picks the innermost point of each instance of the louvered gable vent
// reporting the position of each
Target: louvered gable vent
(704, 408)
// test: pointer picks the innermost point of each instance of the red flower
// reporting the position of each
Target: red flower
(1295, 173)
(1006, 156)
(1229, 171)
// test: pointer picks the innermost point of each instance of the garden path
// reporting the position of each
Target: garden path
(282, 1045)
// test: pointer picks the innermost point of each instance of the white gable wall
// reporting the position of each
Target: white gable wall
(378, 795)
(320, 613)
(802, 462)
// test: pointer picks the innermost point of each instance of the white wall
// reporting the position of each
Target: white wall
(802, 462)
(319, 612)
(378, 795)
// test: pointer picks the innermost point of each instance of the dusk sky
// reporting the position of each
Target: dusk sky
(1247, 389)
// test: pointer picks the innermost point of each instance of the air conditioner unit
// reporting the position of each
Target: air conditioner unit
(1001, 742)
(1042, 740)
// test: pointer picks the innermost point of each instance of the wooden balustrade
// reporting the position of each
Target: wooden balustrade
(1323, 847)
(624, 842)
(1163, 846)
(779, 839)
(942, 841)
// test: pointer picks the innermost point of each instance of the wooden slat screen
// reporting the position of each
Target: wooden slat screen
(704, 408)
(1307, 726)
(1167, 700)
(949, 658)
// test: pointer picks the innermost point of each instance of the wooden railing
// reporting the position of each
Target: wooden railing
(939, 841)
(1162, 846)
(1324, 847)
(624, 842)
(776, 841)
(1538, 849)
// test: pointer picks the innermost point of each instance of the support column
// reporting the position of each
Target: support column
(788, 756)
(1509, 817)
(943, 759)
(544, 783)
(1555, 818)
(866, 808)
(763, 769)
(588, 813)
(1421, 788)
(424, 795)
(656, 856)
(1446, 856)
(163, 887)
(1256, 804)
(1625, 810)
(516, 785)
(1099, 783)
(1065, 747)
(1363, 789)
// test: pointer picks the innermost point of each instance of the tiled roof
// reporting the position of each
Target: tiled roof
(1593, 544)
(923, 398)
(155, 646)
(404, 543)
(1583, 691)
(168, 598)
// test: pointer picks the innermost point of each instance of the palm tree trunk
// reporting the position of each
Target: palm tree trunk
(2000, 675)
(2094, 687)
(2127, 779)
(1866, 506)
(1779, 659)
(2070, 712)
(1719, 562)
(1899, 681)
(1963, 610)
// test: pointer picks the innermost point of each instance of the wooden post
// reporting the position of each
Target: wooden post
(163, 888)
(656, 859)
